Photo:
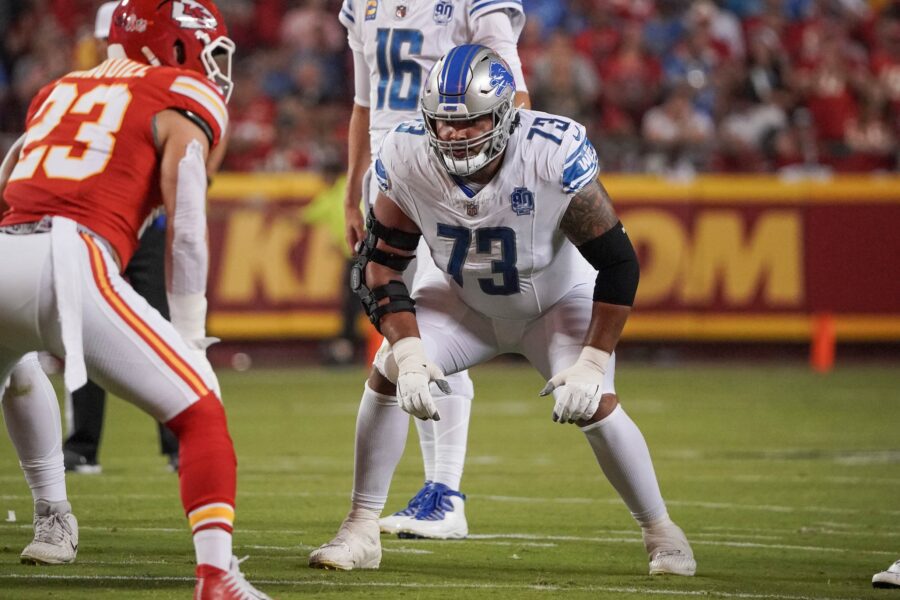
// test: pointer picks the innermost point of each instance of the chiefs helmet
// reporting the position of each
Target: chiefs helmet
(178, 33)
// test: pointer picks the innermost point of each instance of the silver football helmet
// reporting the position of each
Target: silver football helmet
(466, 83)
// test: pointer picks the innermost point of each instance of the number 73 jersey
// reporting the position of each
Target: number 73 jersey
(90, 153)
(501, 245)
(402, 39)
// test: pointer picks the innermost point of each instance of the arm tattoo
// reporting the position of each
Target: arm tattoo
(590, 214)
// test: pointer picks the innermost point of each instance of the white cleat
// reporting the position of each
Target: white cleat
(668, 549)
(357, 545)
(889, 578)
(55, 535)
(441, 516)
(393, 523)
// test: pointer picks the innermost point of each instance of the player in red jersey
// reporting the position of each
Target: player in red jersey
(102, 150)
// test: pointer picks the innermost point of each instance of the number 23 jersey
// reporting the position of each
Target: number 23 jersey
(501, 245)
(90, 153)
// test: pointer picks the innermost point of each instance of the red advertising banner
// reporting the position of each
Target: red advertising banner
(722, 258)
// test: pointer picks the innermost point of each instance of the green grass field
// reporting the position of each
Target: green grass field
(787, 483)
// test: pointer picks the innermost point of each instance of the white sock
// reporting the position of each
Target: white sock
(381, 429)
(623, 455)
(31, 412)
(362, 514)
(452, 431)
(213, 547)
(426, 444)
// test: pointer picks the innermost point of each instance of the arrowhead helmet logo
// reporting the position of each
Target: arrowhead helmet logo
(190, 14)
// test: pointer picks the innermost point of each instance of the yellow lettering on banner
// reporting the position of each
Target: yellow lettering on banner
(257, 260)
(665, 243)
(323, 274)
(718, 256)
(770, 258)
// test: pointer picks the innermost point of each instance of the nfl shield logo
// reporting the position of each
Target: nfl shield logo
(471, 209)
(522, 201)
(401, 11)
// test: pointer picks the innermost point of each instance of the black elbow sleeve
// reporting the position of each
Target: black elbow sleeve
(617, 266)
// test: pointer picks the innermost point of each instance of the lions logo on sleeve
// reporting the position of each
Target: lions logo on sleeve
(381, 176)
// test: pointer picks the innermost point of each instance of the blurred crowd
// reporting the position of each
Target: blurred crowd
(666, 86)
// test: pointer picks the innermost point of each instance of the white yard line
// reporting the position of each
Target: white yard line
(687, 503)
(440, 586)
(735, 541)
(695, 542)
(522, 500)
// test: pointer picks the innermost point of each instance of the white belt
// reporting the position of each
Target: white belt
(64, 252)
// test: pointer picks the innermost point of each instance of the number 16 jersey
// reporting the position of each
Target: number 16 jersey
(402, 39)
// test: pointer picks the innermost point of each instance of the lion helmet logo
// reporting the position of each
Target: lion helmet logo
(501, 78)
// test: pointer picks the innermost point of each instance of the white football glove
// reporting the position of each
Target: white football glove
(188, 315)
(583, 384)
(415, 373)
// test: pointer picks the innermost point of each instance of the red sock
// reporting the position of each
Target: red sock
(207, 464)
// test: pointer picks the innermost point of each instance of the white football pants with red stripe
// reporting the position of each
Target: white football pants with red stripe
(128, 348)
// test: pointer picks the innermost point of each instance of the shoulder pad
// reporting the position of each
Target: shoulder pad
(192, 92)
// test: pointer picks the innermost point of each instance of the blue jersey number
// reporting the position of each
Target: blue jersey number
(539, 128)
(484, 244)
(393, 69)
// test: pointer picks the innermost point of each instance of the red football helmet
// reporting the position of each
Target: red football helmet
(176, 33)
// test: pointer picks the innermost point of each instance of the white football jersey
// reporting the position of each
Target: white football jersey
(502, 244)
(402, 39)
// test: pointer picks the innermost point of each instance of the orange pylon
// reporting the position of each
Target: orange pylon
(824, 338)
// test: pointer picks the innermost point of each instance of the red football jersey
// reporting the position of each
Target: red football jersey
(90, 153)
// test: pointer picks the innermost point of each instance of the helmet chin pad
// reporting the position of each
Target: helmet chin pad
(464, 166)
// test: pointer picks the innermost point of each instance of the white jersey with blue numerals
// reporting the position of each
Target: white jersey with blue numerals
(502, 246)
(402, 39)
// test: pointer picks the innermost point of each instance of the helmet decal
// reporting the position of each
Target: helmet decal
(190, 14)
(500, 78)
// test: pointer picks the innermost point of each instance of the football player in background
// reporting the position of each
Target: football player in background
(889, 578)
(394, 46)
(508, 202)
(102, 150)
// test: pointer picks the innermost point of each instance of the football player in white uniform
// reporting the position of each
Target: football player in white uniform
(395, 43)
(508, 202)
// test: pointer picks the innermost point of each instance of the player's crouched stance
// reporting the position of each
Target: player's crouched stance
(506, 200)
(102, 150)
